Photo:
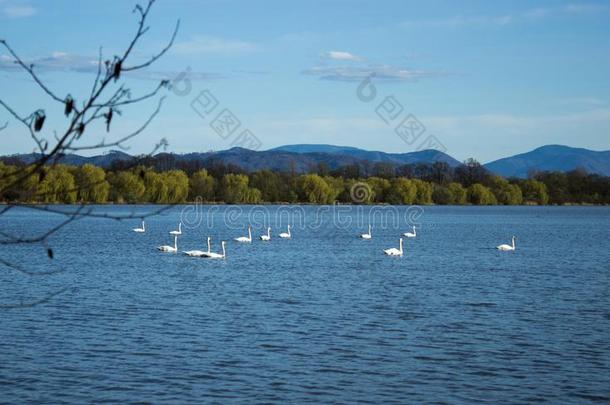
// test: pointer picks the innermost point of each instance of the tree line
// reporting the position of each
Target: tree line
(438, 183)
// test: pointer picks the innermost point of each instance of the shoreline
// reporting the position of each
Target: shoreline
(25, 204)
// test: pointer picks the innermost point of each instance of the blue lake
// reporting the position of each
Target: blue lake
(322, 317)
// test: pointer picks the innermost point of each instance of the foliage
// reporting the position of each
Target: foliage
(505, 193)
(458, 193)
(424, 192)
(313, 189)
(478, 194)
(402, 191)
(442, 195)
(126, 187)
(534, 192)
(91, 184)
(142, 184)
(234, 189)
(202, 185)
(58, 186)
(177, 186)
(379, 188)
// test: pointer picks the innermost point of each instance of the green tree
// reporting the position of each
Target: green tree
(269, 183)
(156, 187)
(313, 189)
(177, 186)
(234, 188)
(126, 187)
(505, 193)
(442, 195)
(337, 186)
(458, 193)
(424, 192)
(534, 192)
(253, 196)
(202, 185)
(379, 188)
(478, 194)
(558, 187)
(402, 191)
(25, 190)
(91, 183)
(58, 186)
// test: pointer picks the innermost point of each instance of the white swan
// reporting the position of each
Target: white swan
(285, 235)
(410, 234)
(179, 231)
(140, 230)
(213, 255)
(246, 239)
(394, 251)
(507, 247)
(198, 253)
(367, 235)
(268, 236)
(170, 249)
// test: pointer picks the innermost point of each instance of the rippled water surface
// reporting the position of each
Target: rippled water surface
(322, 317)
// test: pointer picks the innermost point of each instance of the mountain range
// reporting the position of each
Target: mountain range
(304, 157)
(552, 158)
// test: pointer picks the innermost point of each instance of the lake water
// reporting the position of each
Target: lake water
(322, 317)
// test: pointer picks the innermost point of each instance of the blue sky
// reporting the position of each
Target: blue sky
(486, 79)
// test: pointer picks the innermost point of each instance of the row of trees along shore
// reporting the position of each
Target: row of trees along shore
(410, 184)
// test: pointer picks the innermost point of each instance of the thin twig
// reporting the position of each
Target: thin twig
(79, 119)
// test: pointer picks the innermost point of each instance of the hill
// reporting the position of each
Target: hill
(552, 158)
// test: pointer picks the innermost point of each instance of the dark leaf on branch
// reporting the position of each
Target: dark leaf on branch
(80, 129)
(69, 102)
(39, 117)
(116, 72)
(108, 117)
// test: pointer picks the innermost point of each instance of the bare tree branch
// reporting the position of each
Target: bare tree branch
(25, 121)
(30, 70)
(102, 103)
(157, 56)
(119, 142)
(80, 121)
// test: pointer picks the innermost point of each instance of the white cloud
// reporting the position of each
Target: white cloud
(17, 10)
(57, 61)
(341, 55)
(358, 73)
(60, 61)
(202, 44)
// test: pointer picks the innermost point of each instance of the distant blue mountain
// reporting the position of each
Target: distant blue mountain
(103, 160)
(424, 156)
(300, 158)
(317, 148)
(552, 158)
(303, 158)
